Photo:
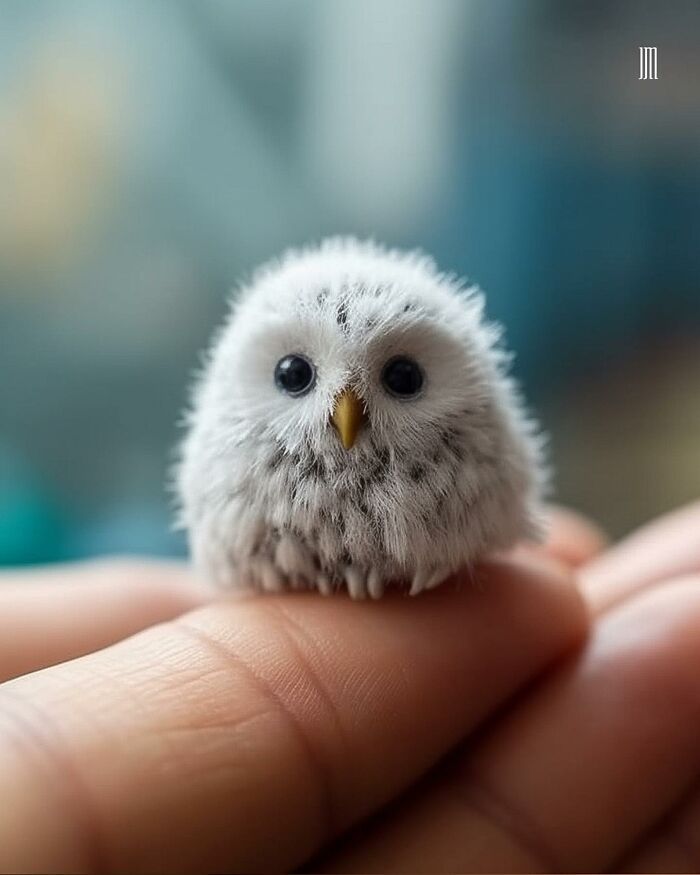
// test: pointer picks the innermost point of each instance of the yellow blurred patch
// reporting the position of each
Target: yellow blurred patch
(57, 156)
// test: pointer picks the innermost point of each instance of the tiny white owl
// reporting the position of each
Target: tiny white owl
(355, 426)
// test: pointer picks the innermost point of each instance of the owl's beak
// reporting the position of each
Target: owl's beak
(348, 416)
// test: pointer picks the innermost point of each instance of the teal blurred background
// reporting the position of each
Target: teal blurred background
(151, 154)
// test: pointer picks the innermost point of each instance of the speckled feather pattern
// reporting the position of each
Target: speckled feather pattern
(268, 494)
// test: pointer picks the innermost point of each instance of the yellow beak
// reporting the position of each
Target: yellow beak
(348, 416)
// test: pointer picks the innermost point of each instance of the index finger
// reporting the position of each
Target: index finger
(244, 735)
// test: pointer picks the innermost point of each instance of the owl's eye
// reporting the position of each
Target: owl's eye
(402, 377)
(294, 375)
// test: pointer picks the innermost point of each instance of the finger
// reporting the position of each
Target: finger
(571, 537)
(186, 747)
(570, 778)
(570, 540)
(664, 549)
(672, 846)
(54, 614)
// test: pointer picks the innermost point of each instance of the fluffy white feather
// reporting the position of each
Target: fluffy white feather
(268, 493)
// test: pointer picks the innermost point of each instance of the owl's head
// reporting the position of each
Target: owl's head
(335, 347)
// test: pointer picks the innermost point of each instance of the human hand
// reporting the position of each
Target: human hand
(250, 733)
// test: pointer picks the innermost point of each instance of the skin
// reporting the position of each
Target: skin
(520, 724)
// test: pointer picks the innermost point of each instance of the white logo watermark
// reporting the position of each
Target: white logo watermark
(647, 62)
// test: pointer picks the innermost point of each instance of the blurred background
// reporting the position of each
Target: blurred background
(151, 154)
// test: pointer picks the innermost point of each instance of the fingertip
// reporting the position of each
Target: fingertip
(549, 587)
(570, 537)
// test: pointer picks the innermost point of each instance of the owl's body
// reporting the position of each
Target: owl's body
(355, 426)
